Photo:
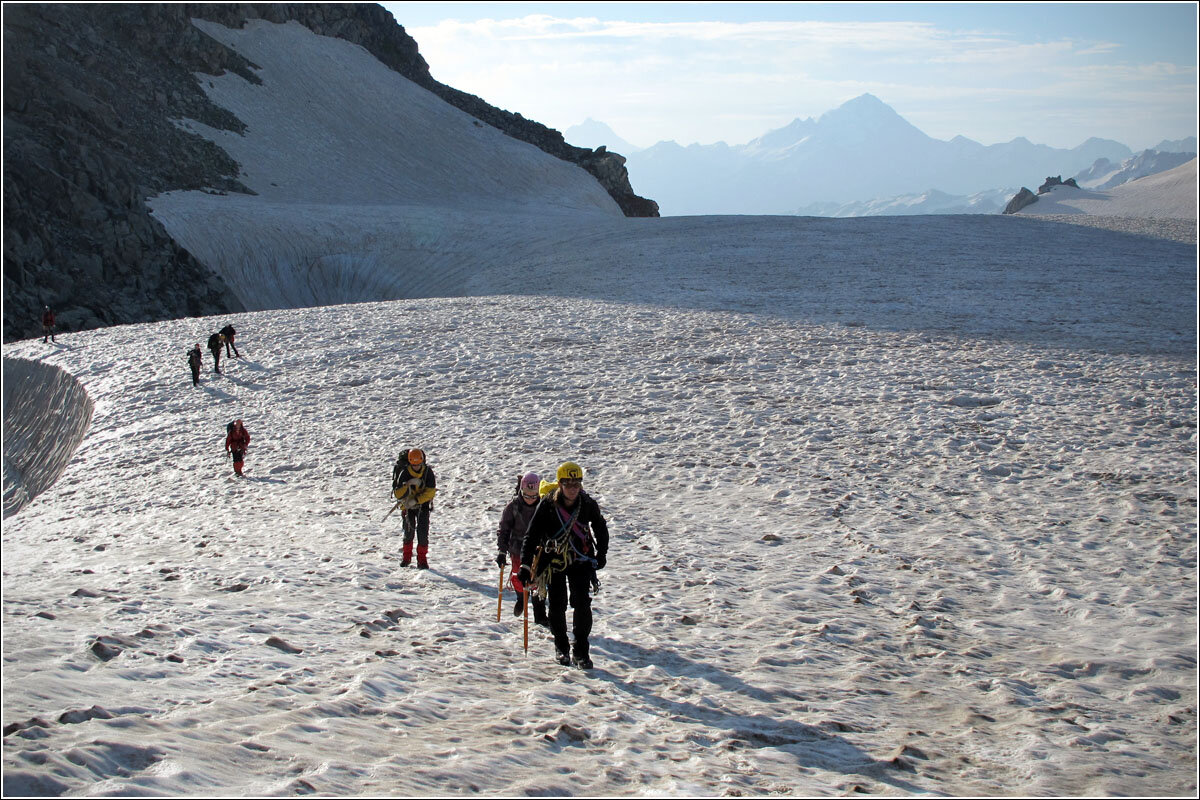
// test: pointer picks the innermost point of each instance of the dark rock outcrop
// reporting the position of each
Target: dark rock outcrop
(90, 95)
(1056, 180)
(89, 92)
(1020, 200)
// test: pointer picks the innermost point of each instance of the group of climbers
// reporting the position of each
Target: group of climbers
(221, 340)
(551, 533)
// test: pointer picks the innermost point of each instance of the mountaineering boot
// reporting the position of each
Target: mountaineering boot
(520, 606)
(581, 659)
(407, 554)
(562, 658)
(422, 562)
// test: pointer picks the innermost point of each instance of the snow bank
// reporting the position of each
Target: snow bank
(367, 185)
(1164, 195)
(46, 413)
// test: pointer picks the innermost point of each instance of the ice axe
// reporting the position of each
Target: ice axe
(500, 594)
(385, 516)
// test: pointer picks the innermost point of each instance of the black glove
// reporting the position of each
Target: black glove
(601, 560)
(500, 559)
(524, 575)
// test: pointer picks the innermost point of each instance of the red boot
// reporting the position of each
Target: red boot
(407, 554)
(422, 563)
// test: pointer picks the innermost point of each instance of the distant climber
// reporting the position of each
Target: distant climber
(195, 360)
(47, 324)
(215, 345)
(228, 332)
(237, 440)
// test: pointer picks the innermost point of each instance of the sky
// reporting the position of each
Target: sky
(1054, 73)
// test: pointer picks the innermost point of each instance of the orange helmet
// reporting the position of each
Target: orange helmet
(416, 457)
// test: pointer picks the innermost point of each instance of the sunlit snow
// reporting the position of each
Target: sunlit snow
(898, 505)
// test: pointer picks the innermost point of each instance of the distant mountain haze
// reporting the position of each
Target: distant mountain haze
(593, 134)
(861, 151)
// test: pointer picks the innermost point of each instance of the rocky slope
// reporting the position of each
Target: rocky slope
(92, 94)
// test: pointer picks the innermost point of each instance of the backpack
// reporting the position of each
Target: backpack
(399, 470)
(229, 428)
(214, 342)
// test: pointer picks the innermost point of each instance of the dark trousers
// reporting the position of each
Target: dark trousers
(216, 360)
(195, 376)
(577, 581)
(416, 523)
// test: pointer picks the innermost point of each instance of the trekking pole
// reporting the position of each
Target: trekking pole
(500, 594)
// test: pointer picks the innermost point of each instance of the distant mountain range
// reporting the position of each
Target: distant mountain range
(594, 134)
(1104, 174)
(859, 154)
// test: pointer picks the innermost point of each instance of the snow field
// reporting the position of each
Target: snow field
(898, 505)
(842, 560)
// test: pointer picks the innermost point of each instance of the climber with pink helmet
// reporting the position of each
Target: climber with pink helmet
(514, 521)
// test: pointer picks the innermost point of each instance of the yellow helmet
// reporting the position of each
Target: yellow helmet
(569, 469)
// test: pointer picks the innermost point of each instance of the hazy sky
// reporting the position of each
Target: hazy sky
(703, 72)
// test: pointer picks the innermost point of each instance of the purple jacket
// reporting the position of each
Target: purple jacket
(514, 521)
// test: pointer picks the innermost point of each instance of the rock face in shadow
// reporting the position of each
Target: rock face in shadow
(91, 95)
(1056, 180)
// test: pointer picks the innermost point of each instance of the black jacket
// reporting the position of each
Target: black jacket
(514, 521)
(547, 523)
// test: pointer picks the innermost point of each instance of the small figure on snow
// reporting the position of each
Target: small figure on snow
(414, 486)
(47, 324)
(237, 439)
(514, 521)
(195, 360)
(215, 345)
(566, 544)
(228, 333)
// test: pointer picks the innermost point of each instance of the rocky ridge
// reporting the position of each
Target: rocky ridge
(91, 95)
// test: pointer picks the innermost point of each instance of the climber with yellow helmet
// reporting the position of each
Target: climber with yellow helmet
(567, 540)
